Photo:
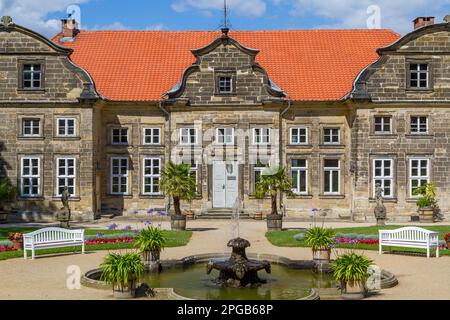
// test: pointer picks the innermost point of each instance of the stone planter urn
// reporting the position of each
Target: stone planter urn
(128, 292)
(426, 214)
(322, 255)
(274, 222)
(178, 222)
(152, 261)
(355, 291)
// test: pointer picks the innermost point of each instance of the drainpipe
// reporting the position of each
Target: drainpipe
(280, 145)
(169, 136)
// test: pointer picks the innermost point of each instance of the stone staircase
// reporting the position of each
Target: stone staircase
(221, 214)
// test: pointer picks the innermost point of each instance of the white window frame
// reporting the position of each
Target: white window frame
(225, 135)
(152, 135)
(332, 169)
(66, 126)
(298, 170)
(31, 127)
(258, 169)
(382, 177)
(189, 136)
(30, 176)
(119, 176)
(298, 135)
(418, 71)
(417, 125)
(194, 169)
(152, 175)
(383, 123)
(66, 176)
(332, 135)
(262, 135)
(419, 177)
(121, 135)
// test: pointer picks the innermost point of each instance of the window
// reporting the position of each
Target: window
(419, 75)
(299, 135)
(152, 176)
(419, 174)
(331, 135)
(419, 125)
(225, 136)
(152, 136)
(31, 127)
(30, 177)
(225, 85)
(332, 175)
(299, 172)
(66, 175)
(119, 175)
(257, 173)
(261, 136)
(32, 76)
(188, 136)
(194, 171)
(383, 175)
(383, 124)
(66, 127)
(120, 136)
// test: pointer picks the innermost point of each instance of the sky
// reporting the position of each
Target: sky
(44, 15)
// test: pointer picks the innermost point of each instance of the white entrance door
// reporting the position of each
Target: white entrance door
(225, 184)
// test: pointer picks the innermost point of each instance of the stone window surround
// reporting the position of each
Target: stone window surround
(308, 158)
(394, 123)
(58, 116)
(152, 127)
(143, 176)
(253, 135)
(110, 128)
(299, 126)
(231, 73)
(342, 166)
(110, 176)
(77, 170)
(412, 60)
(41, 176)
(21, 117)
(143, 156)
(225, 143)
(20, 64)
(409, 158)
(323, 126)
(419, 114)
(393, 158)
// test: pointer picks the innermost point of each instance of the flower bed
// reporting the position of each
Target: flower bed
(355, 241)
(7, 249)
(109, 240)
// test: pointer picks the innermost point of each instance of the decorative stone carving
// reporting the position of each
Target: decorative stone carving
(6, 21)
(64, 214)
(380, 209)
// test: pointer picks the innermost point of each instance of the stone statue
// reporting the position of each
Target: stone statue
(64, 214)
(380, 209)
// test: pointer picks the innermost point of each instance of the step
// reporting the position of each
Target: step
(221, 216)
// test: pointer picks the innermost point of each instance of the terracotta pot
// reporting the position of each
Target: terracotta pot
(426, 214)
(274, 222)
(17, 244)
(322, 255)
(356, 291)
(178, 222)
(258, 216)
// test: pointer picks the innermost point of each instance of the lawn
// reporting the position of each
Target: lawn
(174, 239)
(286, 238)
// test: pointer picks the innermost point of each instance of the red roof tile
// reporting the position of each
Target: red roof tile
(306, 64)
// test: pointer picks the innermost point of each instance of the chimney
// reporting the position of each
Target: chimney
(422, 22)
(69, 29)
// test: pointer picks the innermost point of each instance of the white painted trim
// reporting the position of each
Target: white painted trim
(419, 177)
(262, 135)
(119, 175)
(144, 135)
(30, 176)
(332, 169)
(151, 175)
(74, 177)
(225, 135)
(189, 136)
(299, 128)
(382, 177)
(66, 128)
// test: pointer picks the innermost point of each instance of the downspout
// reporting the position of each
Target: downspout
(169, 145)
(280, 149)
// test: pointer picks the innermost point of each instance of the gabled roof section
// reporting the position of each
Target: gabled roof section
(309, 65)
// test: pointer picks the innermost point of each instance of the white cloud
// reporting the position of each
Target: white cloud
(32, 13)
(255, 8)
(156, 27)
(396, 15)
(112, 26)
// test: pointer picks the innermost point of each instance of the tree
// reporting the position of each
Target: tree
(178, 183)
(273, 181)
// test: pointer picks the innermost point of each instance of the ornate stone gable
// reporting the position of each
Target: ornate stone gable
(387, 79)
(225, 58)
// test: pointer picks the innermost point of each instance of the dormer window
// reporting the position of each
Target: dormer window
(225, 85)
(225, 82)
(419, 76)
(32, 76)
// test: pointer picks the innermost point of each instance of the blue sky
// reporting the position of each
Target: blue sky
(44, 15)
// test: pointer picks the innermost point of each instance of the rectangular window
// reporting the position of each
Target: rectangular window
(120, 136)
(331, 135)
(225, 85)
(152, 176)
(32, 76)
(119, 175)
(66, 175)
(66, 127)
(419, 174)
(30, 177)
(383, 124)
(419, 125)
(261, 135)
(152, 136)
(299, 135)
(332, 175)
(419, 75)
(299, 172)
(257, 173)
(31, 127)
(194, 172)
(225, 136)
(383, 176)
(188, 136)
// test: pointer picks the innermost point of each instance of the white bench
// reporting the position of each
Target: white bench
(52, 238)
(410, 237)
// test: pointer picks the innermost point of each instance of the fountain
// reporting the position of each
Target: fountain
(238, 271)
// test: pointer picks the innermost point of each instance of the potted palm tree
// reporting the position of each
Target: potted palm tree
(151, 242)
(273, 182)
(320, 240)
(178, 183)
(122, 272)
(352, 271)
(7, 194)
(427, 202)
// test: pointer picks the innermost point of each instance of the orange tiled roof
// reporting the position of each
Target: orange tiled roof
(306, 64)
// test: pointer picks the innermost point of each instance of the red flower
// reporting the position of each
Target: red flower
(15, 236)
(447, 237)
(106, 241)
(7, 249)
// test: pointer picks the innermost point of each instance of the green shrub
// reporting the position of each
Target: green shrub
(319, 238)
(151, 239)
(351, 268)
(427, 192)
(119, 270)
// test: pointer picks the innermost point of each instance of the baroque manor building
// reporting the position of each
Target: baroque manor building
(101, 112)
